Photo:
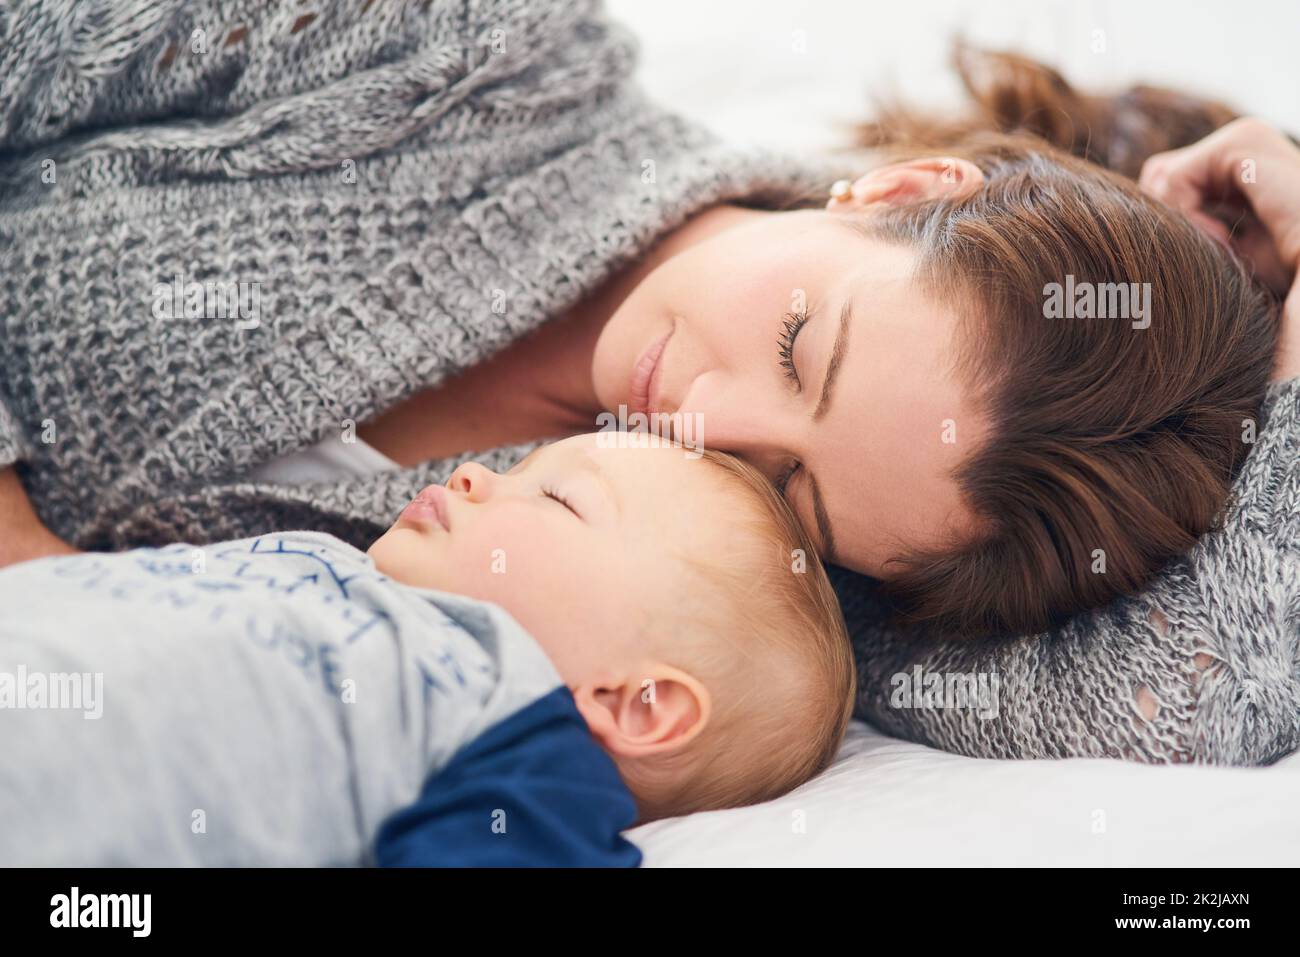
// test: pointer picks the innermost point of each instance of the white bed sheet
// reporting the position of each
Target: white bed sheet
(887, 802)
(783, 73)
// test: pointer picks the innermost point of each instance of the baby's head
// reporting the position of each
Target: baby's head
(677, 596)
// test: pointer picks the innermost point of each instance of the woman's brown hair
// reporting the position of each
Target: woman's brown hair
(1111, 447)
(1010, 93)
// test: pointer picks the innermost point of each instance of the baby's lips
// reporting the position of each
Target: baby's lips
(429, 507)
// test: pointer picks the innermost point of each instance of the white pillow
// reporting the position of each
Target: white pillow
(890, 803)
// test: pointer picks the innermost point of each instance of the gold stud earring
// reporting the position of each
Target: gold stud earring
(841, 190)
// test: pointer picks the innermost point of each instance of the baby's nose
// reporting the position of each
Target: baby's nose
(472, 480)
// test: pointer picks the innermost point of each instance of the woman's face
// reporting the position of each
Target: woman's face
(804, 347)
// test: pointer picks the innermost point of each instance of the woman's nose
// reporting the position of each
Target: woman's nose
(748, 436)
(742, 414)
(771, 462)
(472, 480)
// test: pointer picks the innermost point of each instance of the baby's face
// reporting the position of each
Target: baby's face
(577, 541)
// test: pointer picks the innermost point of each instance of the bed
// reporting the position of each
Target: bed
(887, 802)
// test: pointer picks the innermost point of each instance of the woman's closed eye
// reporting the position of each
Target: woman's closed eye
(812, 516)
(783, 480)
(790, 328)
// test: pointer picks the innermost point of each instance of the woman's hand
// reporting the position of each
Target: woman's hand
(22, 536)
(1241, 184)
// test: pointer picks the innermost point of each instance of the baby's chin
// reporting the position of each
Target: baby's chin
(405, 555)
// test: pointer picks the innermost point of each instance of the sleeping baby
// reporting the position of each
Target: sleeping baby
(521, 667)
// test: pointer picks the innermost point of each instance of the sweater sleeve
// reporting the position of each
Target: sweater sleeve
(1266, 496)
(1201, 666)
(223, 88)
(13, 443)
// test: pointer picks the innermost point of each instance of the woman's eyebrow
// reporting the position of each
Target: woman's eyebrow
(839, 349)
(823, 520)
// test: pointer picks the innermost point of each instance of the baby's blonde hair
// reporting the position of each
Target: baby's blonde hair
(775, 658)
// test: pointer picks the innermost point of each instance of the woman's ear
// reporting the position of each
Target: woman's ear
(929, 177)
(655, 709)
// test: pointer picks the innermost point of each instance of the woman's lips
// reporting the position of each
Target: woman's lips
(645, 374)
(428, 508)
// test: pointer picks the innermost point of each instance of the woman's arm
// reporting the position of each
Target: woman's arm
(22, 535)
(1286, 364)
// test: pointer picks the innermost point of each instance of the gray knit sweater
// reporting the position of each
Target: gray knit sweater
(413, 186)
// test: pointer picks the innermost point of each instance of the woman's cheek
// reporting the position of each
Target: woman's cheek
(616, 352)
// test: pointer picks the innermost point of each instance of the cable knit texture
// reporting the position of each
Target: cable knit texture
(414, 186)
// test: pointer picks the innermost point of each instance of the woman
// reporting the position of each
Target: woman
(469, 231)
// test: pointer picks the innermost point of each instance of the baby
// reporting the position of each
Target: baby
(522, 666)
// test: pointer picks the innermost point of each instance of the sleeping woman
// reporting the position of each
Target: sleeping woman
(467, 232)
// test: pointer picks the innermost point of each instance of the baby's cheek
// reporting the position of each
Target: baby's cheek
(497, 568)
(403, 555)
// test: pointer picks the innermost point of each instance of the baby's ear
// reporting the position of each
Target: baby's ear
(652, 710)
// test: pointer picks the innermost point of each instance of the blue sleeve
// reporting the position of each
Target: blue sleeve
(535, 790)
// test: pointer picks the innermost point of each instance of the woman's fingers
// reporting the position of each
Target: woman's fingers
(1241, 185)
(1180, 178)
(1247, 164)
